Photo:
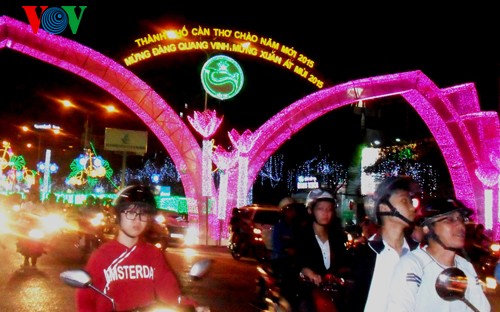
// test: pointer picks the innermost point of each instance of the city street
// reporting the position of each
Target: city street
(228, 286)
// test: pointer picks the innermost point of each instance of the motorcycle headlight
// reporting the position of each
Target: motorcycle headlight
(495, 247)
(97, 220)
(53, 222)
(4, 222)
(36, 234)
(160, 219)
(490, 283)
(191, 236)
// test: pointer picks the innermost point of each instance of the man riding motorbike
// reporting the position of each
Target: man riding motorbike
(30, 242)
(130, 270)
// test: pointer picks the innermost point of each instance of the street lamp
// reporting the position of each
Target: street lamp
(37, 130)
(111, 109)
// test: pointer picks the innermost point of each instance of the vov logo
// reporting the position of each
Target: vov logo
(54, 19)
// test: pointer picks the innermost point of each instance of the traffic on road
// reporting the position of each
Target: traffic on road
(230, 283)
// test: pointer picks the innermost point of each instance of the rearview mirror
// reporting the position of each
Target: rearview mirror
(451, 284)
(76, 278)
(200, 268)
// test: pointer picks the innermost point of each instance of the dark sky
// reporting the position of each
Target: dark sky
(346, 43)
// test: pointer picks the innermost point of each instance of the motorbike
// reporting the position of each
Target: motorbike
(32, 246)
(93, 231)
(35, 233)
(100, 228)
(269, 296)
(248, 245)
(327, 295)
(158, 235)
(323, 297)
(79, 278)
(484, 259)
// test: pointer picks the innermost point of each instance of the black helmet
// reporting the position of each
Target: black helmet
(439, 207)
(139, 196)
(390, 185)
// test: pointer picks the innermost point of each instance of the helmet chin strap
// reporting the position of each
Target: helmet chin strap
(434, 236)
(395, 213)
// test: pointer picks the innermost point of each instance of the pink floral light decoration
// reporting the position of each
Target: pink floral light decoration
(244, 142)
(487, 174)
(495, 158)
(224, 160)
(205, 123)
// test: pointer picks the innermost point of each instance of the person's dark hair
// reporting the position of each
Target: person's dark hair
(235, 211)
(136, 196)
(390, 185)
(286, 201)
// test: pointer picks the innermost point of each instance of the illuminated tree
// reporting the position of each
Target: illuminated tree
(329, 173)
(272, 170)
(164, 168)
(412, 159)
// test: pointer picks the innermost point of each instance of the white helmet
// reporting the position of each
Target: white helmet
(317, 195)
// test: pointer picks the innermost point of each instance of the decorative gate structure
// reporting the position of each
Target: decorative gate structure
(468, 138)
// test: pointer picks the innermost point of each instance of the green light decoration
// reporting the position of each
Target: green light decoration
(88, 168)
(222, 77)
(17, 162)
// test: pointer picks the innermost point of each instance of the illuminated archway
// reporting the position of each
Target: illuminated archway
(468, 138)
(122, 84)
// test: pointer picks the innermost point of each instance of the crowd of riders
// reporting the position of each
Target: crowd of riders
(405, 248)
(403, 239)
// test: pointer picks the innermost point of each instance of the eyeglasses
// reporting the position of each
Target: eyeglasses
(453, 219)
(132, 215)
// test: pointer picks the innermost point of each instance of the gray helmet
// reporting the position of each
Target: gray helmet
(387, 187)
(318, 195)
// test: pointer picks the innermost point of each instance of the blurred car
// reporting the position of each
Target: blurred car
(261, 220)
(180, 231)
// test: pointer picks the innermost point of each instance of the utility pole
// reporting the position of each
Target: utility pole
(86, 132)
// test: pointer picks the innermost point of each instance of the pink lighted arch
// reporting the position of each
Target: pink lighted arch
(468, 138)
(121, 83)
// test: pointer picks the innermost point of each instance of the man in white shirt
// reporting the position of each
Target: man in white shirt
(413, 286)
(374, 262)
